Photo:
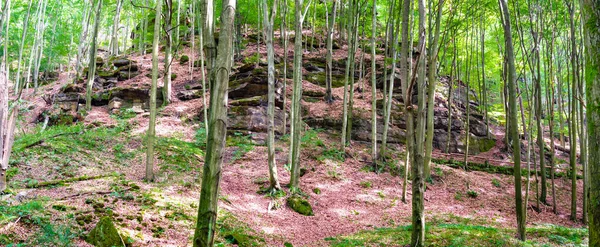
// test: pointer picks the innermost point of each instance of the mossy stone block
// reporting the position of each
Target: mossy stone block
(300, 205)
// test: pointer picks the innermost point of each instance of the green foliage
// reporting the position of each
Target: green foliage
(472, 194)
(177, 155)
(200, 138)
(462, 234)
(124, 114)
(255, 58)
(332, 154)
(231, 231)
(243, 143)
(496, 183)
(365, 184)
(34, 213)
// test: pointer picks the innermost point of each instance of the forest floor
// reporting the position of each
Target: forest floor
(353, 205)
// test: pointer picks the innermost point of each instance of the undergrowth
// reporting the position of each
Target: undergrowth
(457, 231)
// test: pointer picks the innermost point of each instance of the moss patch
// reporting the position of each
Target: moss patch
(105, 234)
(300, 205)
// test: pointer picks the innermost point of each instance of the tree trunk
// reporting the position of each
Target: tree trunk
(328, 96)
(572, 120)
(204, 234)
(431, 89)
(591, 15)
(418, 162)
(405, 64)
(373, 85)
(210, 49)
(22, 45)
(152, 123)
(512, 118)
(114, 43)
(166, 90)
(296, 97)
(92, 61)
(268, 21)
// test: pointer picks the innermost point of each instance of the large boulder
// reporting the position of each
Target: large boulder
(253, 118)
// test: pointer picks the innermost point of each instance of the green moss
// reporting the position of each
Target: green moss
(184, 59)
(463, 234)
(106, 74)
(317, 191)
(320, 79)
(300, 205)
(485, 144)
(105, 234)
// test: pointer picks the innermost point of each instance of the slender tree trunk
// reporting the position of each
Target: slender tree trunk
(373, 85)
(152, 123)
(92, 61)
(268, 25)
(591, 15)
(285, 58)
(418, 181)
(22, 45)
(512, 118)
(166, 90)
(431, 89)
(330, 28)
(297, 95)
(114, 43)
(349, 73)
(210, 49)
(203, 74)
(572, 120)
(405, 64)
(204, 234)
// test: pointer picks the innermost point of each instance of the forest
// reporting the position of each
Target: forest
(299, 123)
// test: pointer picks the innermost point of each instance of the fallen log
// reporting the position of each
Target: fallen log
(36, 184)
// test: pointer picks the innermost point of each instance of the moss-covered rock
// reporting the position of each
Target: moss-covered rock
(300, 205)
(105, 234)
(184, 59)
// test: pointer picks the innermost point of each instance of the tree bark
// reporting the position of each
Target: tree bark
(296, 97)
(418, 162)
(591, 15)
(431, 89)
(204, 234)
(268, 21)
(152, 122)
(166, 90)
(373, 85)
(92, 61)
(512, 117)
(114, 43)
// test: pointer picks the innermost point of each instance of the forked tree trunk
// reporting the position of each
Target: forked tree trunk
(204, 234)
